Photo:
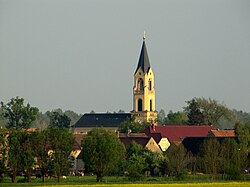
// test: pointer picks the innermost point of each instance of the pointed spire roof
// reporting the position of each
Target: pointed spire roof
(143, 60)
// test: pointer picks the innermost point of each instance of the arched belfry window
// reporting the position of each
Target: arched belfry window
(150, 85)
(151, 105)
(139, 105)
(140, 84)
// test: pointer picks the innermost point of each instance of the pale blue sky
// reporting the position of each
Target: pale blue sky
(81, 55)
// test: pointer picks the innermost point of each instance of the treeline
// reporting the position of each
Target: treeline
(24, 152)
(201, 111)
(226, 158)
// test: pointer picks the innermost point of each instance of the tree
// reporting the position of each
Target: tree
(27, 154)
(101, 152)
(3, 151)
(74, 117)
(161, 117)
(209, 153)
(176, 118)
(42, 143)
(134, 149)
(62, 142)
(230, 159)
(207, 112)
(136, 165)
(177, 161)
(19, 115)
(194, 114)
(132, 126)
(59, 120)
(14, 152)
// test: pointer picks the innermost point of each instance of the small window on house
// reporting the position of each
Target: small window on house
(151, 105)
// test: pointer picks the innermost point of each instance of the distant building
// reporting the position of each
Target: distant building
(141, 139)
(105, 120)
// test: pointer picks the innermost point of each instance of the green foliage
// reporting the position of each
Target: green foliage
(19, 115)
(194, 114)
(62, 142)
(42, 142)
(230, 159)
(177, 161)
(136, 166)
(58, 120)
(15, 143)
(209, 153)
(176, 118)
(154, 162)
(3, 151)
(161, 117)
(242, 117)
(134, 149)
(102, 150)
(132, 126)
(201, 111)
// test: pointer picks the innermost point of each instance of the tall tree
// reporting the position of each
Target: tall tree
(101, 152)
(14, 152)
(194, 114)
(161, 117)
(62, 142)
(19, 115)
(207, 112)
(176, 118)
(43, 145)
(230, 159)
(177, 160)
(209, 153)
(3, 151)
(59, 120)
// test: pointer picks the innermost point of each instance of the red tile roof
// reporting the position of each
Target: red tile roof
(178, 133)
(222, 133)
(140, 138)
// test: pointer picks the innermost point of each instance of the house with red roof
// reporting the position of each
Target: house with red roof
(141, 138)
(222, 133)
(175, 134)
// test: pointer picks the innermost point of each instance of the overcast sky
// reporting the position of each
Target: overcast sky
(81, 55)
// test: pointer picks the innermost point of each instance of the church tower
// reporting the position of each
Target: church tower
(144, 90)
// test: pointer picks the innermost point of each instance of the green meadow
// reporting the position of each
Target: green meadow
(75, 181)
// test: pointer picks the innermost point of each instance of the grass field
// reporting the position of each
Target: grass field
(196, 181)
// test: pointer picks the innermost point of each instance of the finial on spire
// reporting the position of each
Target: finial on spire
(144, 35)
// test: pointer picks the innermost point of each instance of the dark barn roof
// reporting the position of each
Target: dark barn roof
(102, 120)
(193, 144)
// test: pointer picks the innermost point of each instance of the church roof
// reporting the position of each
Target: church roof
(143, 60)
(102, 120)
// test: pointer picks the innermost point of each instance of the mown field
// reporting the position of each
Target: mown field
(196, 181)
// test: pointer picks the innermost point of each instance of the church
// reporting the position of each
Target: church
(143, 101)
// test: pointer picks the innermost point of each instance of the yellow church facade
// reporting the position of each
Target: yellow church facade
(144, 90)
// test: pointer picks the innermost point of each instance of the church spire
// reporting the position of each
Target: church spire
(143, 60)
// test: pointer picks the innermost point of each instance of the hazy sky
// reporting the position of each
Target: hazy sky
(81, 54)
